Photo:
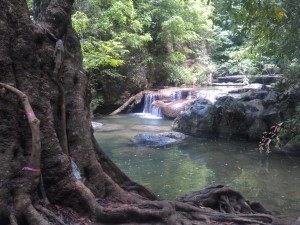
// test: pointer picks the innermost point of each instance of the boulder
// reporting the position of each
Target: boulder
(257, 128)
(272, 116)
(158, 140)
(293, 146)
(261, 94)
(228, 117)
(254, 110)
(173, 109)
(254, 106)
(271, 98)
(198, 120)
(232, 114)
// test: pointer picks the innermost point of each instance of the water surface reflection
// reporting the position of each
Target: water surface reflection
(197, 163)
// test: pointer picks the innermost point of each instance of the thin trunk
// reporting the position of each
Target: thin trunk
(136, 98)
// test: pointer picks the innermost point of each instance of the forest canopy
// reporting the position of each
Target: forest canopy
(189, 40)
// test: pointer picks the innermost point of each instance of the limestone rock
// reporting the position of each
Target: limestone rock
(271, 98)
(173, 109)
(158, 140)
(198, 120)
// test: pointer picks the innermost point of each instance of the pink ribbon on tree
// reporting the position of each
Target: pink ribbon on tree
(30, 115)
(31, 169)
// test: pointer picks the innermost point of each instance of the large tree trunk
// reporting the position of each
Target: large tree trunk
(105, 194)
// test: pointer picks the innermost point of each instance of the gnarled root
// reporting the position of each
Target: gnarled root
(223, 199)
(49, 214)
(13, 219)
(166, 212)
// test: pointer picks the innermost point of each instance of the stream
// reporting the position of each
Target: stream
(273, 180)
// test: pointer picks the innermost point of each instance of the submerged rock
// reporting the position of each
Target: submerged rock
(109, 128)
(151, 128)
(158, 140)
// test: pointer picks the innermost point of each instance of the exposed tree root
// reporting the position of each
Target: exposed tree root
(223, 199)
(49, 214)
(166, 212)
(13, 219)
(297, 222)
(33, 217)
(35, 159)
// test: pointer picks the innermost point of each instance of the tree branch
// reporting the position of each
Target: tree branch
(137, 98)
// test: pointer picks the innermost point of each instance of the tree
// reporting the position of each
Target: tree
(272, 30)
(54, 86)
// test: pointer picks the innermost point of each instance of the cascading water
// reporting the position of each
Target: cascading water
(211, 94)
(149, 108)
(177, 95)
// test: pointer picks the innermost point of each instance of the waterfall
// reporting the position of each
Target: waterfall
(149, 108)
(177, 95)
(207, 95)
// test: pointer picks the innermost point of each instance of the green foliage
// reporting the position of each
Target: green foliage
(174, 31)
(183, 29)
(272, 25)
(265, 31)
(178, 74)
(108, 31)
(30, 8)
(80, 22)
(282, 133)
(291, 78)
(99, 54)
(189, 40)
(97, 101)
(291, 127)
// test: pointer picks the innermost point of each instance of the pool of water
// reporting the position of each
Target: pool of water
(273, 180)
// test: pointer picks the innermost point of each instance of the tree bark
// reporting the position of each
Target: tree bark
(105, 194)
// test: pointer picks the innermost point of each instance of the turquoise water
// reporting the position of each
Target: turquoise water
(273, 180)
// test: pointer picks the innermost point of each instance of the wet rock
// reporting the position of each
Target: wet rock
(198, 120)
(260, 94)
(232, 115)
(257, 128)
(271, 98)
(224, 99)
(293, 146)
(228, 117)
(247, 96)
(173, 109)
(255, 105)
(158, 140)
(272, 116)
